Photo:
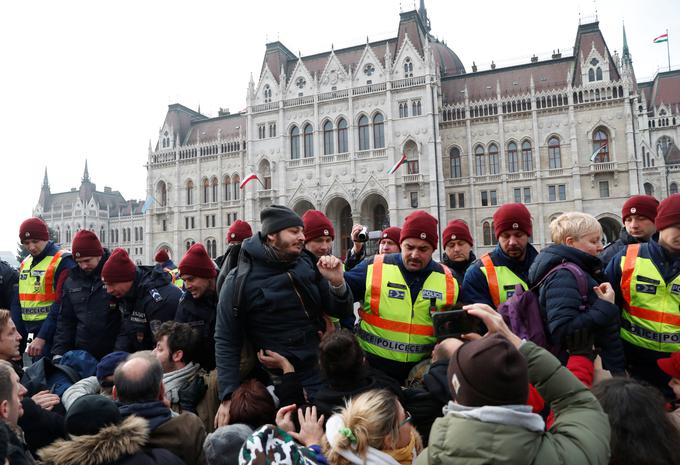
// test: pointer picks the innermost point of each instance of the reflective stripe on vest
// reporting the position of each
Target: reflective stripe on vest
(651, 314)
(37, 290)
(393, 327)
(507, 281)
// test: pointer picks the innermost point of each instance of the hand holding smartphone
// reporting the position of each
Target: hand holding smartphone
(453, 321)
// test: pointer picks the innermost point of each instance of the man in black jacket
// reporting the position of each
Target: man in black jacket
(458, 254)
(11, 394)
(238, 232)
(198, 305)
(638, 214)
(276, 306)
(89, 318)
(9, 280)
(146, 298)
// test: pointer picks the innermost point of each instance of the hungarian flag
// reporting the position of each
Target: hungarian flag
(396, 166)
(597, 152)
(661, 38)
(248, 178)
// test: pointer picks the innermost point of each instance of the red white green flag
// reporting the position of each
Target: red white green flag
(248, 178)
(396, 166)
(661, 38)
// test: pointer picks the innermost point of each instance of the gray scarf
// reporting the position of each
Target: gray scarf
(513, 415)
(176, 380)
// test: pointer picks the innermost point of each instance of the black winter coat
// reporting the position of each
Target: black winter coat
(425, 403)
(41, 427)
(560, 300)
(201, 315)
(151, 301)
(89, 318)
(280, 310)
(9, 279)
(459, 268)
(617, 246)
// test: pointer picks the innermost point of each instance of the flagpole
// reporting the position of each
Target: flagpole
(668, 49)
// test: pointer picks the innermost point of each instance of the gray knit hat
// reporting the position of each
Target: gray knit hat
(277, 217)
(222, 446)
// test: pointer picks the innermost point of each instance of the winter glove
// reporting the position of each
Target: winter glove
(580, 342)
(191, 394)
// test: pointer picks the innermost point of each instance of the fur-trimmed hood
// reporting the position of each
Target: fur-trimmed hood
(110, 444)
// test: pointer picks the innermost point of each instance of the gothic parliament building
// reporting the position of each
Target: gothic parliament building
(573, 132)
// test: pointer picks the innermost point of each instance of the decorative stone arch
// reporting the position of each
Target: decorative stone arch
(491, 142)
(339, 210)
(375, 211)
(166, 247)
(611, 226)
(361, 113)
(264, 172)
(161, 191)
(302, 204)
(611, 137)
(551, 135)
(337, 119)
(290, 127)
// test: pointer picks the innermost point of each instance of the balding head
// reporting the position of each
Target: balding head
(138, 379)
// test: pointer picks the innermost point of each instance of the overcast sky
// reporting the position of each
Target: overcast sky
(92, 79)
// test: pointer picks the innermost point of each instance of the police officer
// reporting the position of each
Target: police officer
(238, 232)
(458, 254)
(41, 276)
(198, 304)
(397, 292)
(89, 318)
(638, 213)
(492, 279)
(164, 263)
(145, 297)
(646, 278)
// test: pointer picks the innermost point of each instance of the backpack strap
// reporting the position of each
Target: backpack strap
(579, 275)
(492, 279)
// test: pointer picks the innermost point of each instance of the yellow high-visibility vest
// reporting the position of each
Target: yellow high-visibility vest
(37, 289)
(501, 280)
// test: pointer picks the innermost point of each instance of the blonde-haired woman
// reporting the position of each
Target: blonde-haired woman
(372, 429)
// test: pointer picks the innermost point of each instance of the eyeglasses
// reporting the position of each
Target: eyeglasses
(406, 420)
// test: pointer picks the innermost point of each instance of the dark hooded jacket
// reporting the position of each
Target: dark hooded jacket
(280, 311)
(560, 300)
(621, 243)
(151, 301)
(459, 268)
(122, 444)
(89, 318)
(9, 279)
(475, 288)
(201, 314)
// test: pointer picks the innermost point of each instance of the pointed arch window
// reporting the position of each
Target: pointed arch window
(479, 161)
(206, 190)
(412, 159)
(214, 184)
(162, 193)
(328, 138)
(227, 188)
(267, 94)
(513, 161)
(598, 74)
(456, 168)
(673, 188)
(649, 188)
(527, 157)
(378, 131)
(554, 153)
(343, 146)
(309, 140)
(190, 192)
(294, 143)
(601, 146)
(266, 174)
(236, 187)
(486, 233)
(494, 163)
(408, 67)
(363, 133)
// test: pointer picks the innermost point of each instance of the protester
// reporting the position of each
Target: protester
(275, 302)
(89, 319)
(397, 293)
(641, 431)
(198, 305)
(146, 298)
(458, 254)
(252, 404)
(492, 279)
(576, 237)
(101, 383)
(238, 232)
(372, 429)
(9, 282)
(638, 214)
(489, 382)
(100, 436)
(139, 390)
(11, 394)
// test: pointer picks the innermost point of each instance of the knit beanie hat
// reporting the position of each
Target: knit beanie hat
(107, 365)
(90, 413)
(668, 212)
(119, 268)
(488, 371)
(196, 262)
(393, 233)
(457, 229)
(33, 228)
(317, 225)
(512, 216)
(239, 231)
(643, 205)
(670, 365)
(161, 256)
(420, 225)
(222, 446)
(277, 217)
(86, 244)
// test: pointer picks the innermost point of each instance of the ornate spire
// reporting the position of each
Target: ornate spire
(626, 58)
(46, 183)
(86, 174)
(422, 12)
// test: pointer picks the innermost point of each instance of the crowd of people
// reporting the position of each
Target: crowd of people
(281, 352)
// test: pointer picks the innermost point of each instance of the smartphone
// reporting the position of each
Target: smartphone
(454, 323)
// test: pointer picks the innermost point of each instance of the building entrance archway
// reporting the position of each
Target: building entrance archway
(340, 213)
(611, 229)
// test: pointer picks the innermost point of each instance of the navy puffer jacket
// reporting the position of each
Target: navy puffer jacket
(560, 300)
